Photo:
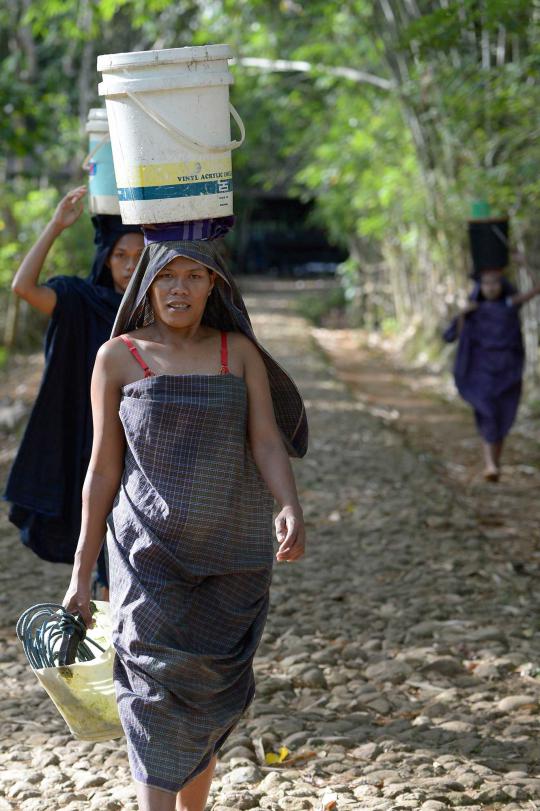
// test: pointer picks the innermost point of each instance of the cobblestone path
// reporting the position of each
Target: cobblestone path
(398, 666)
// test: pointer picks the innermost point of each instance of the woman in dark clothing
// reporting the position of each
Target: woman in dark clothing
(489, 363)
(45, 482)
(191, 433)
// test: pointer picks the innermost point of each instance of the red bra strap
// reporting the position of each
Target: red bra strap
(135, 352)
(224, 355)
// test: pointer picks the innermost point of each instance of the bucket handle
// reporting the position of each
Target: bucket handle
(86, 162)
(198, 146)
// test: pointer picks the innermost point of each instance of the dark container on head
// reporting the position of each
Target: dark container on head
(488, 239)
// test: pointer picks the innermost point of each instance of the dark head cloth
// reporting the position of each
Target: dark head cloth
(225, 311)
(45, 481)
(108, 228)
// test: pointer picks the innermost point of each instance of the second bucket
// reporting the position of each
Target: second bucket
(102, 194)
(169, 117)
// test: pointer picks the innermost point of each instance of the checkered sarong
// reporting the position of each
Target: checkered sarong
(190, 554)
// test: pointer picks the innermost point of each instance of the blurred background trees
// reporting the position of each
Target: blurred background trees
(390, 116)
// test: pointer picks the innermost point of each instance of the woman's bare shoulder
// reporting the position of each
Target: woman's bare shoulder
(241, 345)
(246, 351)
(111, 359)
(240, 341)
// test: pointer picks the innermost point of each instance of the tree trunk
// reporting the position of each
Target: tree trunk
(12, 321)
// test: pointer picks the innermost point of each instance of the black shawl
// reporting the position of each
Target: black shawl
(46, 479)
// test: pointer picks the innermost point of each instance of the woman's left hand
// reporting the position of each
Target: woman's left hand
(291, 534)
(69, 209)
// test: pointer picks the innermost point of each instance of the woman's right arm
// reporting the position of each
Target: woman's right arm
(25, 282)
(102, 478)
(522, 298)
(453, 331)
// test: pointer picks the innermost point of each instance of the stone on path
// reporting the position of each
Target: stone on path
(511, 703)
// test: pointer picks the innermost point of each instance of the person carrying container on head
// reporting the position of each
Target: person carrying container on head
(45, 481)
(193, 424)
(489, 364)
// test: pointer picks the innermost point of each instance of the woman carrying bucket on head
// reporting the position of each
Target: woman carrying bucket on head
(45, 482)
(193, 421)
(490, 358)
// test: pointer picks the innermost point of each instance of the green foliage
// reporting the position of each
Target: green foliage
(28, 216)
(392, 162)
(48, 78)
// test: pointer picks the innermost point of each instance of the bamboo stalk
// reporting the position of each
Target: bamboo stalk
(501, 46)
(292, 65)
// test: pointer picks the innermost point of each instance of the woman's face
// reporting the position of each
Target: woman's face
(491, 284)
(123, 259)
(179, 292)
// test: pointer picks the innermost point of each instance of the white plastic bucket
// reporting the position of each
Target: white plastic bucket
(102, 193)
(169, 118)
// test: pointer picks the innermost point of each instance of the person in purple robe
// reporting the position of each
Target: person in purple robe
(490, 359)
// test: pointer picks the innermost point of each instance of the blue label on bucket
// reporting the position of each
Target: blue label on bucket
(222, 186)
(102, 181)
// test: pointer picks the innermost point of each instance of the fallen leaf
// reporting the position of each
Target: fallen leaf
(298, 757)
(272, 758)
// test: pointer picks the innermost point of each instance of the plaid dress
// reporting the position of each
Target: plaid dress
(190, 554)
